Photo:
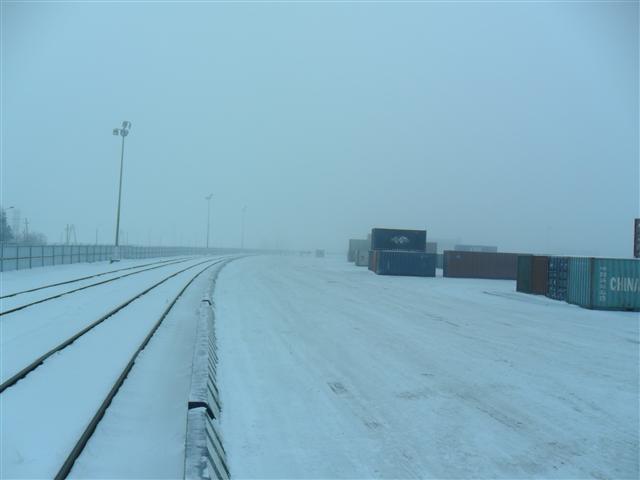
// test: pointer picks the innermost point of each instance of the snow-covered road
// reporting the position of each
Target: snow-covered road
(327, 370)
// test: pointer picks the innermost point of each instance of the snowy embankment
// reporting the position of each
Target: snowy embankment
(327, 370)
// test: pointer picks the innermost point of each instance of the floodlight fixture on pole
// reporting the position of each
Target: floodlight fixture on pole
(123, 132)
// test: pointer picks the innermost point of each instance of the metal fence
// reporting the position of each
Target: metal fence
(19, 257)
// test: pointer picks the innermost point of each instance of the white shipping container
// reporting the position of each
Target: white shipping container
(362, 258)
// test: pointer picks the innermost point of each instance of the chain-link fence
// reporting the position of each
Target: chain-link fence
(19, 257)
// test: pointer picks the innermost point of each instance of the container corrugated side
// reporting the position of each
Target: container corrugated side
(524, 275)
(579, 281)
(373, 259)
(395, 262)
(496, 266)
(397, 239)
(540, 275)
(557, 278)
(604, 283)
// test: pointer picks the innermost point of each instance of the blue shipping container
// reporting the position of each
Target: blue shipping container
(395, 262)
(604, 283)
(558, 276)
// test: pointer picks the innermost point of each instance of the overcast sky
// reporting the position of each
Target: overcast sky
(510, 124)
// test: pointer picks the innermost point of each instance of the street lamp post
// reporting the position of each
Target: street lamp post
(123, 132)
(208, 199)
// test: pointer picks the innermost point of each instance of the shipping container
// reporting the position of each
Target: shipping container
(398, 262)
(439, 260)
(373, 258)
(558, 276)
(393, 239)
(475, 248)
(496, 266)
(362, 258)
(431, 247)
(604, 283)
(357, 244)
(532, 276)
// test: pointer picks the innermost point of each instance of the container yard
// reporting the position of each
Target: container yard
(413, 377)
(593, 283)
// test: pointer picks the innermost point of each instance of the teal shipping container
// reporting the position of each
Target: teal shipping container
(532, 274)
(604, 283)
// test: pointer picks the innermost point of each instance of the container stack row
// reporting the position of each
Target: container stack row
(401, 252)
(595, 283)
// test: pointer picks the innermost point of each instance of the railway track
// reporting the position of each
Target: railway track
(39, 360)
(154, 266)
(89, 426)
(87, 277)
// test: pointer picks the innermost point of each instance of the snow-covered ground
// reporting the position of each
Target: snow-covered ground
(28, 333)
(142, 433)
(329, 371)
(20, 280)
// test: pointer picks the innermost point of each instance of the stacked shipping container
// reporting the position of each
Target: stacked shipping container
(401, 252)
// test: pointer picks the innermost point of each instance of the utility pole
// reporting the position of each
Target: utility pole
(208, 199)
(244, 211)
(26, 230)
(123, 132)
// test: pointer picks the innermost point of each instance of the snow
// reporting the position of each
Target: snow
(142, 434)
(329, 371)
(44, 414)
(27, 334)
(19, 280)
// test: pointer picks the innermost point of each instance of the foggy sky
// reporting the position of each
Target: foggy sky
(510, 124)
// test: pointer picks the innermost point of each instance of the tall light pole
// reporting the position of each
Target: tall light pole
(244, 211)
(123, 132)
(208, 199)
